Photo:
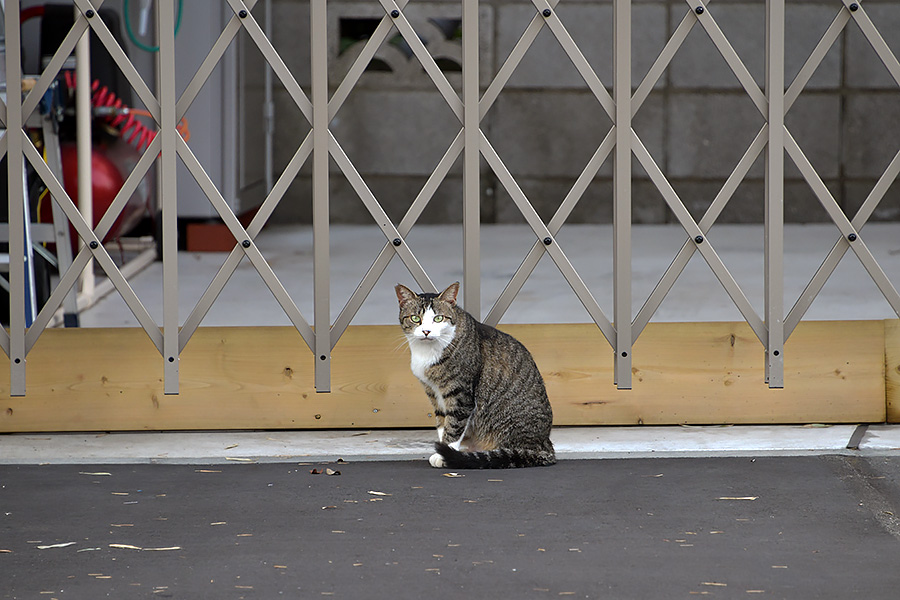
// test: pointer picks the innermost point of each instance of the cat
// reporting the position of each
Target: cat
(489, 399)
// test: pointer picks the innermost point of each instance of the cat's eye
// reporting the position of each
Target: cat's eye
(416, 319)
(438, 318)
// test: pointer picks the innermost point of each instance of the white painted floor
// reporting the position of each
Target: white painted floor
(546, 298)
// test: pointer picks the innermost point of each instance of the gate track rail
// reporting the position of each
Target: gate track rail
(320, 145)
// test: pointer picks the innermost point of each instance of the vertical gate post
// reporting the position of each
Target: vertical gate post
(471, 161)
(321, 253)
(16, 196)
(622, 192)
(168, 190)
(774, 211)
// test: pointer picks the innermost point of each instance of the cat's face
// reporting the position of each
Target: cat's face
(428, 318)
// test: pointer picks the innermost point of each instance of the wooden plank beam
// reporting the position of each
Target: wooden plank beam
(262, 378)
(892, 369)
(712, 373)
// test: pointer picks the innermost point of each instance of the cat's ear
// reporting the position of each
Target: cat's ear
(404, 294)
(449, 295)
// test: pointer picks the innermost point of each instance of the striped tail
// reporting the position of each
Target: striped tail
(501, 458)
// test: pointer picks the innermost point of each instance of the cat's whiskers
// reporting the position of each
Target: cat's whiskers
(402, 343)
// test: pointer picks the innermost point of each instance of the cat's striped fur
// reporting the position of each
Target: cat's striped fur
(489, 398)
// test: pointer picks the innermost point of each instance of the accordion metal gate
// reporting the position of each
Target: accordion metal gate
(621, 99)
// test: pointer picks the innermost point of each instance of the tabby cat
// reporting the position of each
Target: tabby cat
(489, 399)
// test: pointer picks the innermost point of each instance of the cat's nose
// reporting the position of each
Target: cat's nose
(425, 332)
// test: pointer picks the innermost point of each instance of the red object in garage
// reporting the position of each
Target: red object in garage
(107, 180)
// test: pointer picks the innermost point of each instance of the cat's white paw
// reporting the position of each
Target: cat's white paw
(437, 461)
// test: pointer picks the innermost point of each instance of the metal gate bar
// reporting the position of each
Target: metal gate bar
(622, 192)
(471, 161)
(774, 211)
(318, 27)
(14, 164)
(169, 191)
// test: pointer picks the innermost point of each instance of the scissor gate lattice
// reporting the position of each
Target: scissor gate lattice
(772, 328)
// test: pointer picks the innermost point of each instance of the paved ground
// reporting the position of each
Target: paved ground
(769, 527)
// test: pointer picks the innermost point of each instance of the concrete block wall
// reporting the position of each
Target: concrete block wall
(546, 124)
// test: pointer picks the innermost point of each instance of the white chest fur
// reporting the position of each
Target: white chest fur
(420, 359)
(423, 355)
(426, 345)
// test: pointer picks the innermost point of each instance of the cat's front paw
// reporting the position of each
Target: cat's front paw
(437, 461)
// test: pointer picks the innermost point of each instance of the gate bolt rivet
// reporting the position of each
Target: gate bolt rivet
(699, 10)
(171, 359)
(323, 357)
(94, 245)
(548, 241)
(776, 353)
(397, 242)
(18, 361)
(852, 237)
(854, 7)
(89, 14)
(546, 12)
(242, 14)
(624, 354)
(395, 13)
(699, 239)
(245, 243)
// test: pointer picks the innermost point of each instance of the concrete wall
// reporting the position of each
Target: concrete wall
(546, 124)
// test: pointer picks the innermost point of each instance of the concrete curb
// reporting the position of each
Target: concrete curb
(382, 445)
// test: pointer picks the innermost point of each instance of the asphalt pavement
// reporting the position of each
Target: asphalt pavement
(816, 527)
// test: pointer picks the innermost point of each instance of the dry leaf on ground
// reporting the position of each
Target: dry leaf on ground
(56, 546)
